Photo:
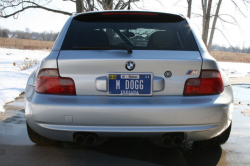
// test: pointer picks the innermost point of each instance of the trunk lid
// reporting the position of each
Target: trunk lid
(86, 66)
(94, 47)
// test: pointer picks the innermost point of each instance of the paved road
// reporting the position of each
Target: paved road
(17, 149)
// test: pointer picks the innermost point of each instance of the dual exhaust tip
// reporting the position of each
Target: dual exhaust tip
(172, 140)
(89, 139)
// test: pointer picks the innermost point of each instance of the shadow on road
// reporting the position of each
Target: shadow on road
(142, 149)
(116, 151)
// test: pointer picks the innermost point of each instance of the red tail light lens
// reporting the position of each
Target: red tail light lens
(209, 83)
(50, 82)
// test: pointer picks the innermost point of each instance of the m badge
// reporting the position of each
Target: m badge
(192, 72)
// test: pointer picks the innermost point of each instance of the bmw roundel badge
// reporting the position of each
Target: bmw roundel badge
(130, 65)
(168, 74)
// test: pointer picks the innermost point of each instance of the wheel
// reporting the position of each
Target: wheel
(216, 141)
(38, 139)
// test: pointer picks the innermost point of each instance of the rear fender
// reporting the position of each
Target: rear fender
(49, 62)
(209, 63)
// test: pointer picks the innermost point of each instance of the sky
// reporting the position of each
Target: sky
(39, 20)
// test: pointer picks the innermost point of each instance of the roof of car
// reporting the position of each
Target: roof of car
(116, 11)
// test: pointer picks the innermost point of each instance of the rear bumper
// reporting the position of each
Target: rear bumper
(59, 117)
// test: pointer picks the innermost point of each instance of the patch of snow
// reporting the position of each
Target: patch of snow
(12, 80)
(234, 70)
(246, 112)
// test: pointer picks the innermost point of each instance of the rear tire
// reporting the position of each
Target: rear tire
(38, 139)
(216, 141)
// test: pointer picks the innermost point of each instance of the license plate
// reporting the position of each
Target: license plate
(130, 84)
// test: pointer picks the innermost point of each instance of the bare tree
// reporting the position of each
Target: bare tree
(3, 34)
(10, 8)
(79, 6)
(214, 24)
(219, 16)
(206, 7)
(189, 8)
(207, 15)
(189, 2)
(114, 4)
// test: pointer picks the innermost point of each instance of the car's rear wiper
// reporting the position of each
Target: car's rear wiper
(128, 48)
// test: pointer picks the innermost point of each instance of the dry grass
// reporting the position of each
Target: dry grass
(41, 45)
(26, 63)
(230, 56)
(25, 44)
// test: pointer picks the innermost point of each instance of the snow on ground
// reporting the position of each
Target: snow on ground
(235, 69)
(12, 80)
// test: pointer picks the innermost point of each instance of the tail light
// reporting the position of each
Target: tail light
(209, 83)
(50, 82)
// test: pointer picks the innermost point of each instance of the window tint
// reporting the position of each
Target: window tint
(139, 36)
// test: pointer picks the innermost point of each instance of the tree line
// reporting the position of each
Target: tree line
(51, 36)
(210, 11)
(17, 34)
(237, 49)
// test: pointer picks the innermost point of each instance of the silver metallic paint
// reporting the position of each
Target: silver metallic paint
(208, 61)
(109, 113)
(101, 83)
(86, 65)
(200, 117)
(158, 84)
(49, 62)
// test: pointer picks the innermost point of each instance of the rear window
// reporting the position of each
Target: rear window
(147, 34)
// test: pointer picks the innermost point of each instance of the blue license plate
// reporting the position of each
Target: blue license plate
(130, 84)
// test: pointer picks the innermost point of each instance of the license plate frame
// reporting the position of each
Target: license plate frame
(146, 73)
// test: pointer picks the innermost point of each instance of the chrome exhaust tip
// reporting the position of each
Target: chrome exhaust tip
(79, 139)
(178, 140)
(91, 139)
(167, 141)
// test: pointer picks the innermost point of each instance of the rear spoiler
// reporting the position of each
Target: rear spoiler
(129, 16)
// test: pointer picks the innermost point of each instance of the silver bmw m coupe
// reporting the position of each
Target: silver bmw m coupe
(129, 74)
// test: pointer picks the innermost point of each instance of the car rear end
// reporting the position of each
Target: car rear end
(128, 73)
